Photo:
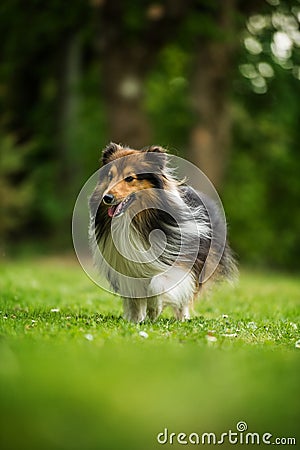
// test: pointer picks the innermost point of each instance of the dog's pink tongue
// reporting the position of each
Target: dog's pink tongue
(111, 211)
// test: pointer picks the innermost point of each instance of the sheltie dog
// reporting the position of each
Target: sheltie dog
(152, 235)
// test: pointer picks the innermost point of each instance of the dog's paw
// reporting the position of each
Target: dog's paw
(134, 317)
(182, 313)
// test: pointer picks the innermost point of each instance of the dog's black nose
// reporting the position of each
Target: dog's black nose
(108, 199)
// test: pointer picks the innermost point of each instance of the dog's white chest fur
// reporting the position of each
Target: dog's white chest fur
(135, 271)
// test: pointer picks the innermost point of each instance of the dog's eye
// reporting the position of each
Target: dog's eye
(129, 179)
(109, 176)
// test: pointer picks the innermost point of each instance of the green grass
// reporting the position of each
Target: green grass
(75, 375)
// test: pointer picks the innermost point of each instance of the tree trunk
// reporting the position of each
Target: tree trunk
(67, 111)
(210, 137)
(127, 56)
(123, 84)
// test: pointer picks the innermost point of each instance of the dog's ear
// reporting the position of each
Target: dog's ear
(107, 153)
(160, 156)
(155, 149)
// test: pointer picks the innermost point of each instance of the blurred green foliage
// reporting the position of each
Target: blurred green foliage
(167, 99)
(16, 192)
(53, 104)
(263, 189)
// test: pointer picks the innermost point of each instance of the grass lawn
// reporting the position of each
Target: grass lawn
(75, 375)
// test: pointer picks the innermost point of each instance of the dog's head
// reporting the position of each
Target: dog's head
(126, 173)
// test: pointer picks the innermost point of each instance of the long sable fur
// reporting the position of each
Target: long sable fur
(168, 195)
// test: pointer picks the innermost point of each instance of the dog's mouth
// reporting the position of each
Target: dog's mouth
(119, 208)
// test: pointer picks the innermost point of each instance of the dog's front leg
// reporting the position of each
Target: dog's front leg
(154, 307)
(135, 309)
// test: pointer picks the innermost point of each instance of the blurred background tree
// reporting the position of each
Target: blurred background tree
(215, 82)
